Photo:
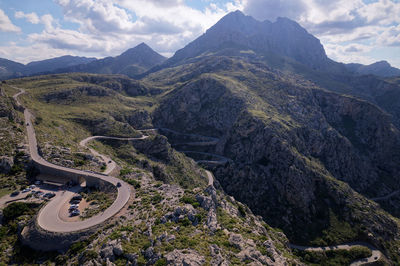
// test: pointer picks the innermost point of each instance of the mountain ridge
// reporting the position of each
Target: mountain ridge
(380, 68)
(131, 62)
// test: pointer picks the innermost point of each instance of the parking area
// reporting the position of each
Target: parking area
(73, 208)
(33, 193)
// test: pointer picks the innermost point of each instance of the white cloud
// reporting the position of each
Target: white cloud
(34, 52)
(110, 27)
(353, 53)
(6, 25)
(31, 17)
(337, 22)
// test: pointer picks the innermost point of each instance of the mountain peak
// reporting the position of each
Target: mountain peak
(140, 48)
(236, 32)
(382, 63)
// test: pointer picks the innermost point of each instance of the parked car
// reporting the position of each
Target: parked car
(32, 186)
(38, 193)
(49, 195)
(73, 208)
(118, 184)
(74, 201)
(26, 190)
(38, 182)
(78, 197)
(109, 161)
(75, 213)
(15, 193)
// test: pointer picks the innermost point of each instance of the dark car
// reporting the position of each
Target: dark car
(73, 208)
(49, 195)
(74, 201)
(118, 184)
(75, 213)
(78, 197)
(15, 193)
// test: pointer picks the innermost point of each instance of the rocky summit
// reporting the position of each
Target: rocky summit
(248, 146)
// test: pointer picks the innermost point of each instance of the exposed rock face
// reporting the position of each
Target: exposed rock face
(6, 163)
(288, 142)
(239, 32)
(184, 257)
(196, 106)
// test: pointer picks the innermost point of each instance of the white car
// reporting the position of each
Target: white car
(38, 182)
(26, 190)
(32, 186)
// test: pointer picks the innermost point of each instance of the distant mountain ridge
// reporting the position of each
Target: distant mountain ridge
(49, 65)
(11, 69)
(132, 62)
(381, 68)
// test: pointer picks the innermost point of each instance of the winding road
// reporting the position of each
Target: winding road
(48, 217)
(376, 254)
(387, 196)
(110, 164)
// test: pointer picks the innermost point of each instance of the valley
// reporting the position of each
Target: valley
(244, 147)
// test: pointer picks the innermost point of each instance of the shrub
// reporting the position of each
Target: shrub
(190, 200)
(133, 183)
(15, 210)
(242, 210)
(161, 262)
(125, 171)
(78, 247)
(185, 222)
(157, 198)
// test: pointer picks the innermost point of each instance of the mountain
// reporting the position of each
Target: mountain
(238, 34)
(381, 68)
(52, 64)
(132, 62)
(305, 144)
(10, 68)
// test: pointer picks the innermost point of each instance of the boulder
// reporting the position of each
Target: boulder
(185, 257)
(6, 163)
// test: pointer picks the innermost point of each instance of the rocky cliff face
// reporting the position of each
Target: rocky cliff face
(283, 37)
(288, 143)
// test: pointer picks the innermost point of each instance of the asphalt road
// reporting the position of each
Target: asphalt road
(376, 254)
(106, 159)
(210, 178)
(48, 217)
(387, 196)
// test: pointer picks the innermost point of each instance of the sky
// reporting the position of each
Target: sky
(359, 31)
